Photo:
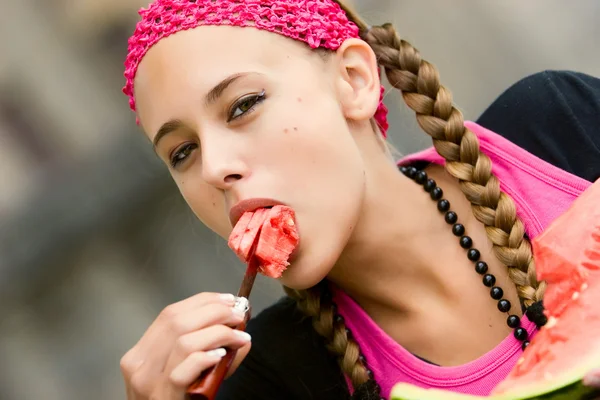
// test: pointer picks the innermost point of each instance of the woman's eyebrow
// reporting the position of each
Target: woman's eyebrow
(217, 91)
(165, 129)
(211, 97)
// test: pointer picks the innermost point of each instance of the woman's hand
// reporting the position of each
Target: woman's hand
(592, 379)
(187, 338)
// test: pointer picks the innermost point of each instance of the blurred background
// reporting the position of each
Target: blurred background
(94, 238)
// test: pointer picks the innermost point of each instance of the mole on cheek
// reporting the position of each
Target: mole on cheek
(286, 130)
(295, 128)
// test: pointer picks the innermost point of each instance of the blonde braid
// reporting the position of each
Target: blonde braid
(419, 83)
(317, 304)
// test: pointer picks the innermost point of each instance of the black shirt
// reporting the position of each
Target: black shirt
(554, 115)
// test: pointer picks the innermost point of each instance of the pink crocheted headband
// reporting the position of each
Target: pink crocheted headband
(319, 23)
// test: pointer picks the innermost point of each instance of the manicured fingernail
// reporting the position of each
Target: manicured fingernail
(227, 298)
(241, 303)
(238, 313)
(243, 335)
(217, 353)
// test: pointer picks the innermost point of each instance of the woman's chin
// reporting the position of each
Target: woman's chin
(304, 271)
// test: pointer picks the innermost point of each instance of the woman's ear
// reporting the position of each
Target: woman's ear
(358, 81)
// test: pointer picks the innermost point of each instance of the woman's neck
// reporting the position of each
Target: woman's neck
(397, 245)
(404, 266)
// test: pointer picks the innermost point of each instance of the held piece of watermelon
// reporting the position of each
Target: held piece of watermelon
(277, 236)
(238, 232)
(567, 257)
(278, 239)
(251, 234)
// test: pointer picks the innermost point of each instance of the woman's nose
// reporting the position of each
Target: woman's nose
(222, 164)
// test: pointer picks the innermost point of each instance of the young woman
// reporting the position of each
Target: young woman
(421, 273)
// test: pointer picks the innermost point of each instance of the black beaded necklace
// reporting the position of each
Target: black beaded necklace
(371, 387)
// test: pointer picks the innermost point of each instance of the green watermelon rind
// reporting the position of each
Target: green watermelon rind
(573, 391)
(568, 386)
(569, 378)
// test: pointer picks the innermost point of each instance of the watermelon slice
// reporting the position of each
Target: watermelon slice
(278, 239)
(567, 257)
(251, 234)
(235, 238)
(277, 235)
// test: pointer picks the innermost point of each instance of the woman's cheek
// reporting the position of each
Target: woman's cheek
(208, 204)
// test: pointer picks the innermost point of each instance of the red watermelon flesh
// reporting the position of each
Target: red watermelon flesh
(278, 239)
(277, 235)
(235, 238)
(251, 234)
(567, 257)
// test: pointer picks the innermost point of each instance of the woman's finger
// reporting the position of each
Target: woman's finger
(190, 369)
(239, 357)
(216, 336)
(157, 356)
(173, 317)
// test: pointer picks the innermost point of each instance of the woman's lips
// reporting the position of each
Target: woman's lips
(250, 205)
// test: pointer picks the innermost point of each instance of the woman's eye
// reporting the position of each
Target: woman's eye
(181, 154)
(245, 105)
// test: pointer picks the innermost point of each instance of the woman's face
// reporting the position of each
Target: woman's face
(239, 113)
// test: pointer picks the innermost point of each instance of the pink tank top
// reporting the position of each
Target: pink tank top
(541, 192)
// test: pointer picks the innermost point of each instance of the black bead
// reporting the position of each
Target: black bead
(481, 267)
(513, 321)
(525, 345)
(370, 374)
(362, 359)
(339, 318)
(348, 333)
(451, 217)
(466, 242)
(473, 254)
(429, 185)
(489, 280)
(412, 172)
(436, 193)
(496, 293)
(458, 229)
(443, 205)
(404, 170)
(521, 334)
(504, 305)
(421, 177)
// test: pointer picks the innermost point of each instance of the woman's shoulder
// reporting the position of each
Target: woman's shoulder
(542, 135)
(287, 360)
(554, 115)
(285, 337)
(280, 324)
